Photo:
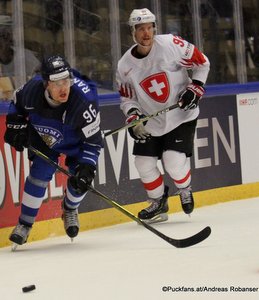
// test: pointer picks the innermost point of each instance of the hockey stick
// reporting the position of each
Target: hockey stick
(146, 118)
(178, 243)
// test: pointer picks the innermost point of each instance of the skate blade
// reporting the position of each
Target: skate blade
(156, 219)
(14, 247)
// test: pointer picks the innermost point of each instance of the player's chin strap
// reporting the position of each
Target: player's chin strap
(142, 120)
(178, 243)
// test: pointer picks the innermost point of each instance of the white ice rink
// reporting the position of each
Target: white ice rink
(128, 262)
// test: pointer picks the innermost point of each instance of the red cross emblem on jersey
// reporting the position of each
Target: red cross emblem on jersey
(157, 87)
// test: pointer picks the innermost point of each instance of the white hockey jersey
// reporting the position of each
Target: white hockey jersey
(154, 82)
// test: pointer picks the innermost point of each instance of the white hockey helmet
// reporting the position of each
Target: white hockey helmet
(141, 16)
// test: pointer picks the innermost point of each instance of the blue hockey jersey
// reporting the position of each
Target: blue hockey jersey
(72, 128)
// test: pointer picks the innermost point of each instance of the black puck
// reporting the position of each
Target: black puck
(28, 288)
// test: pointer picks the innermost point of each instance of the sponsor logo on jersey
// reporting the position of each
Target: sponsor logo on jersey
(157, 87)
(92, 128)
(188, 50)
(50, 136)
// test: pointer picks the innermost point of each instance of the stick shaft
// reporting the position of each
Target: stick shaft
(50, 161)
(146, 118)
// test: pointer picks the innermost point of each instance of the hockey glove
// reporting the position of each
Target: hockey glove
(84, 175)
(16, 133)
(138, 132)
(189, 99)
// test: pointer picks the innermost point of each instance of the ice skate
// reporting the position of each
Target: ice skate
(71, 222)
(19, 235)
(157, 211)
(186, 199)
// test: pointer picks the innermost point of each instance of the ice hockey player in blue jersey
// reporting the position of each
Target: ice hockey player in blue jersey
(56, 112)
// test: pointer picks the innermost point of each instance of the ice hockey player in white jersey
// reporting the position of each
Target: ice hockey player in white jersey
(154, 74)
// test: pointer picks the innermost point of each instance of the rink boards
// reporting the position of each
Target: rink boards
(225, 167)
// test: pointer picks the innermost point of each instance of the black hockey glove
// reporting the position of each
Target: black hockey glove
(84, 175)
(137, 132)
(16, 133)
(189, 99)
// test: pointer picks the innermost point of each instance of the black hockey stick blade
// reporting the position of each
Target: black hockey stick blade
(146, 118)
(178, 243)
(186, 242)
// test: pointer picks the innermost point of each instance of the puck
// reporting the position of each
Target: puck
(28, 288)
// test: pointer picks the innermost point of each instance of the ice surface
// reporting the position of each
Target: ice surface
(128, 262)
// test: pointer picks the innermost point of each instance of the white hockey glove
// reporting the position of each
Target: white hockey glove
(137, 132)
(189, 99)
